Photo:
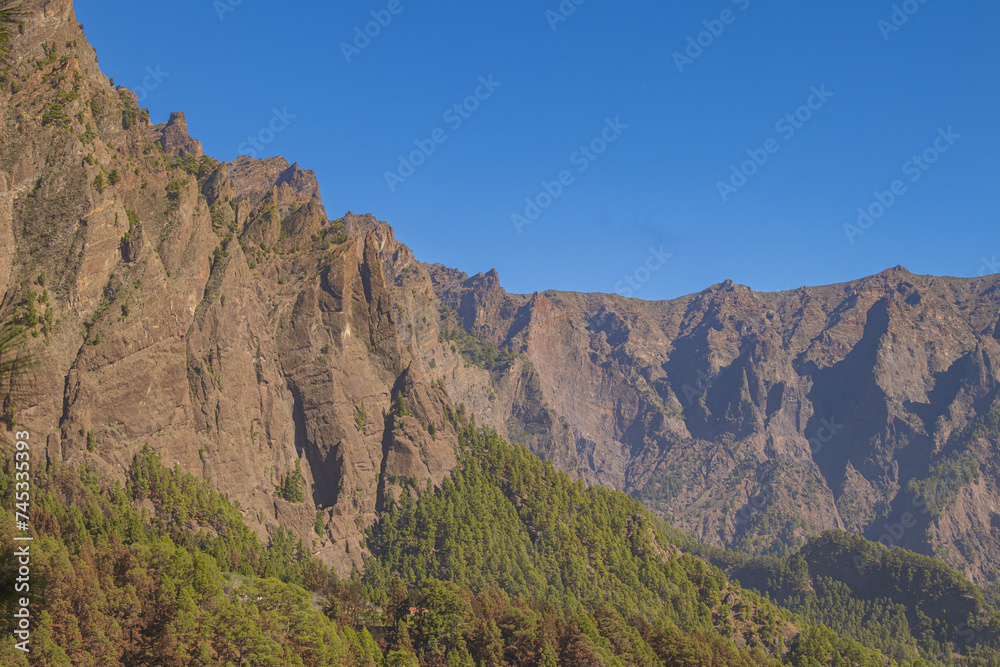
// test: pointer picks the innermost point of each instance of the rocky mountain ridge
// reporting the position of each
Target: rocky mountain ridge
(216, 312)
(752, 420)
(210, 309)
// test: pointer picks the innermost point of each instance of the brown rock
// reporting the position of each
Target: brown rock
(174, 138)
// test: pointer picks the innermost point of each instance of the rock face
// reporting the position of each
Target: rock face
(173, 137)
(216, 312)
(750, 420)
(211, 310)
(753, 419)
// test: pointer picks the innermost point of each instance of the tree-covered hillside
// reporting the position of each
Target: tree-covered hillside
(907, 605)
(507, 562)
(163, 571)
(505, 519)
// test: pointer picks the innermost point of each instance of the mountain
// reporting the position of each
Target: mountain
(211, 310)
(222, 361)
(751, 420)
(163, 571)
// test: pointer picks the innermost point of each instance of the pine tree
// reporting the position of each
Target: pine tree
(15, 363)
(10, 14)
(292, 488)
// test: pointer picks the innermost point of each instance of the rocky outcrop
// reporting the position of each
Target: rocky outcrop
(755, 419)
(253, 179)
(173, 137)
(210, 310)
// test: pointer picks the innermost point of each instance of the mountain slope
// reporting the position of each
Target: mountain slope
(163, 571)
(210, 310)
(753, 420)
(307, 366)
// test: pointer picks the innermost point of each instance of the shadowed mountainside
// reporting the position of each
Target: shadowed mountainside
(751, 420)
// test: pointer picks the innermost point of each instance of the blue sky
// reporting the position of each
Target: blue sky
(644, 140)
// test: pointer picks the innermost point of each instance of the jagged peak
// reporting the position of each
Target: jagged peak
(253, 179)
(360, 226)
(898, 270)
(174, 137)
(727, 286)
(486, 282)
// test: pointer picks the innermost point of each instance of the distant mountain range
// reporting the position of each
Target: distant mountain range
(750, 420)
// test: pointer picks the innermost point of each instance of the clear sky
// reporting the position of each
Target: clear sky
(643, 125)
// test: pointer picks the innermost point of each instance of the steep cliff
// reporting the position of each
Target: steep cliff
(752, 420)
(211, 310)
